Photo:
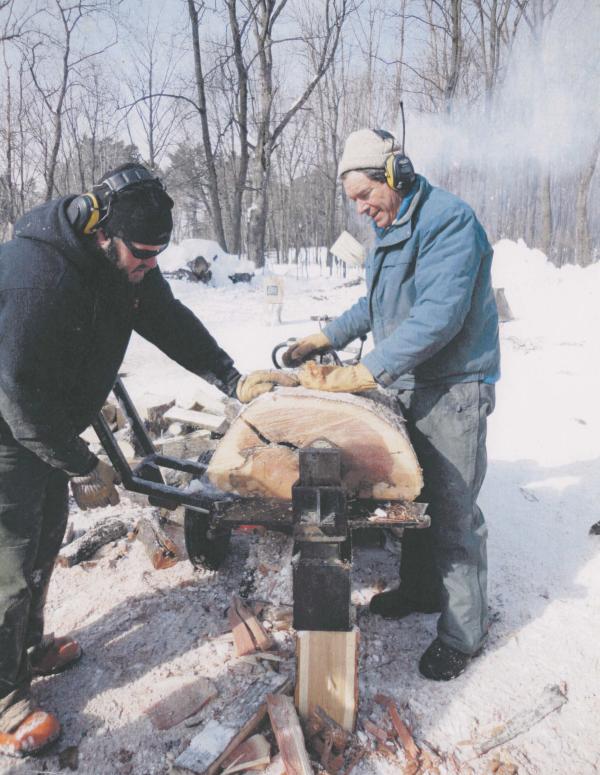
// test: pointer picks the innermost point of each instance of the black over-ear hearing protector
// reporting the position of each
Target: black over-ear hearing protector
(399, 170)
(88, 211)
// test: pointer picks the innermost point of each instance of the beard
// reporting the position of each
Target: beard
(125, 277)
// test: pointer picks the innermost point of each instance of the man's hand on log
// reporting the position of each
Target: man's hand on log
(258, 382)
(300, 350)
(97, 488)
(336, 379)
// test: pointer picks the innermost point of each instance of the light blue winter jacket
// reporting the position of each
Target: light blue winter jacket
(429, 300)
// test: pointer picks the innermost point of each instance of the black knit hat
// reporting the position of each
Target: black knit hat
(140, 212)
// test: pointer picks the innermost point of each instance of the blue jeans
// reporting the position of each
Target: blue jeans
(33, 517)
(446, 565)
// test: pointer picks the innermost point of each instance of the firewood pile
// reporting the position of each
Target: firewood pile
(261, 729)
(177, 430)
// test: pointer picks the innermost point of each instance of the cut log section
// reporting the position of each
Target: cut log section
(327, 675)
(258, 456)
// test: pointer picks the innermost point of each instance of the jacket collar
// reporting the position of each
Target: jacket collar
(402, 228)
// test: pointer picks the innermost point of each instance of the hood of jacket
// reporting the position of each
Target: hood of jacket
(48, 224)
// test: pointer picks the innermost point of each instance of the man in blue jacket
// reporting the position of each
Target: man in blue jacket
(78, 277)
(431, 310)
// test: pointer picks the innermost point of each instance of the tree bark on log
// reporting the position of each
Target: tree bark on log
(258, 456)
(106, 531)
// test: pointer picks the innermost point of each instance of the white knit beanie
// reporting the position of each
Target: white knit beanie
(366, 150)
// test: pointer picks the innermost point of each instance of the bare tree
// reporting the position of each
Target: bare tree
(148, 79)
(67, 18)
(265, 14)
(194, 11)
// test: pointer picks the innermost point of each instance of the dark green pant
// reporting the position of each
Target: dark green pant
(33, 517)
(446, 565)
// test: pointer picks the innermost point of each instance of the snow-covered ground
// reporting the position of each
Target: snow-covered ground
(142, 629)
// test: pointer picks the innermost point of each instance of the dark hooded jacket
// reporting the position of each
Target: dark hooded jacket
(66, 317)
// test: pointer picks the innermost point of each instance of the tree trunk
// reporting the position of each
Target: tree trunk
(547, 225)
(211, 171)
(583, 248)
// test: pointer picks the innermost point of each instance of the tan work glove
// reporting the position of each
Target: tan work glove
(298, 352)
(258, 382)
(97, 488)
(337, 379)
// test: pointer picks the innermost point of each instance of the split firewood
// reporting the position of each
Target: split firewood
(403, 732)
(253, 753)
(211, 422)
(327, 675)
(218, 739)
(182, 703)
(288, 733)
(161, 550)
(153, 416)
(188, 445)
(248, 633)
(552, 698)
(258, 456)
(104, 532)
(202, 402)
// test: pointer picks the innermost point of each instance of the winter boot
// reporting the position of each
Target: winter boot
(24, 731)
(442, 663)
(394, 604)
(53, 655)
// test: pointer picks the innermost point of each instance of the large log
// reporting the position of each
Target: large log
(259, 453)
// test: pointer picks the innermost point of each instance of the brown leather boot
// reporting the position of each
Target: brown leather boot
(53, 655)
(31, 735)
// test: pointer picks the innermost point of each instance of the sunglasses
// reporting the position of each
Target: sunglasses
(141, 253)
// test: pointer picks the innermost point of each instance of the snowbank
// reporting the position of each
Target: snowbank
(556, 300)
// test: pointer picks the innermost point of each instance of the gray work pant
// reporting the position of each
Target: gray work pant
(33, 517)
(446, 565)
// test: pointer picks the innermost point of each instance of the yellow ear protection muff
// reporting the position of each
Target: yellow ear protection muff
(88, 211)
(84, 213)
(399, 171)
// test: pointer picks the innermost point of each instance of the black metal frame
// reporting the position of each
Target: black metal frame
(320, 517)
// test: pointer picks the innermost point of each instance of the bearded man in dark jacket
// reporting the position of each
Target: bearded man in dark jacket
(79, 275)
